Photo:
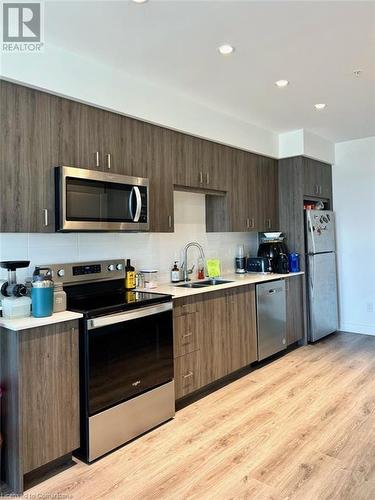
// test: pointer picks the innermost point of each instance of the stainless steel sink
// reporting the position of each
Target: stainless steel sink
(215, 281)
(194, 285)
(204, 283)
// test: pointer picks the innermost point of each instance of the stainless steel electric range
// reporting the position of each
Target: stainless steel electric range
(126, 355)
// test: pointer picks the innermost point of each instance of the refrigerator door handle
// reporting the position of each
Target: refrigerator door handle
(312, 275)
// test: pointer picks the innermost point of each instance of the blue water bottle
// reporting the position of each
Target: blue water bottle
(294, 262)
(42, 293)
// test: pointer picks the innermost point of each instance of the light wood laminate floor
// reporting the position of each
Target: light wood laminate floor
(302, 427)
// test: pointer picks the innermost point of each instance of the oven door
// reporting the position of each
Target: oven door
(88, 200)
(128, 354)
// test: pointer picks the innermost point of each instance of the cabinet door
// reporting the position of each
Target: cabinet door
(214, 355)
(113, 144)
(27, 158)
(187, 374)
(241, 327)
(326, 182)
(160, 174)
(238, 194)
(214, 165)
(49, 393)
(317, 179)
(294, 309)
(267, 194)
(80, 136)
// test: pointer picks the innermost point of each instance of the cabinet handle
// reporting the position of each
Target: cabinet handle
(188, 375)
(320, 189)
(207, 178)
(317, 189)
(268, 223)
(169, 221)
(187, 335)
(45, 213)
(97, 159)
(248, 223)
(201, 177)
(108, 156)
(252, 223)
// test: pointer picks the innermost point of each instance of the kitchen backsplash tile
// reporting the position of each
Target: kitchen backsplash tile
(146, 250)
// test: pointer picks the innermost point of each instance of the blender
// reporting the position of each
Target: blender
(14, 302)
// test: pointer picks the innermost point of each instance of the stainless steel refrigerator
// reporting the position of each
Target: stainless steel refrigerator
(321, 273)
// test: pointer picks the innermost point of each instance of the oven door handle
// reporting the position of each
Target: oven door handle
(143, 312)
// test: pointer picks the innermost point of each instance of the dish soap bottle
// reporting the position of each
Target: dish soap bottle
(175, 273)
(129, 276)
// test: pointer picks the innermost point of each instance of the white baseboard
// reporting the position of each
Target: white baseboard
(358, 328)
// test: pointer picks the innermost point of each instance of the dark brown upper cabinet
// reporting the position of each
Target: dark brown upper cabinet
(41, 131)
(199, 163)
(317, 179)
(28, 151)
(267, 194)
(92, 138)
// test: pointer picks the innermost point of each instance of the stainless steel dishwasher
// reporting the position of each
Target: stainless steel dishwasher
(271, 318)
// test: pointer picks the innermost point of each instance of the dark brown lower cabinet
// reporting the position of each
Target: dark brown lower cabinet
(214, 335)
(40, 406)
(295, 308)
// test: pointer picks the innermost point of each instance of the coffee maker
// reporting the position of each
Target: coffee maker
(276, 251)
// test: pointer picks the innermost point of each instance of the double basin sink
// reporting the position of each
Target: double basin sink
(204, 283)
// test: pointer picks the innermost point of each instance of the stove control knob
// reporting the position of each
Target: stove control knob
(111, 267)
(61, 273)
(119, 267)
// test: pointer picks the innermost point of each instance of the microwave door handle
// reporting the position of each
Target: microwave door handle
(131, 203)
(139, 204)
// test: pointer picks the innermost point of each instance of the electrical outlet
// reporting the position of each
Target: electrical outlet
(370, 307)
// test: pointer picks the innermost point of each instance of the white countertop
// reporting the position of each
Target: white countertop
(31, 322)
(236, 280)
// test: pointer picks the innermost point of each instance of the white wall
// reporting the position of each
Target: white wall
(303, 142)
(354, 204)
(145, 250)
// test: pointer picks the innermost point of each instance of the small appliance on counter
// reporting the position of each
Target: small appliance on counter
(42, 293)
(258, 265)
(240, 260)
(273, 247)
(13, 295)
(126, 355)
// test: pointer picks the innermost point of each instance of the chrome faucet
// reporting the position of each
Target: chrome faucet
(185, 263)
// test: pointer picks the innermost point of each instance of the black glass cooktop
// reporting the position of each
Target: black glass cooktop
(107, 298)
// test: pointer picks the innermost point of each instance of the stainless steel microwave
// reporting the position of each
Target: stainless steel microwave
(90, 200)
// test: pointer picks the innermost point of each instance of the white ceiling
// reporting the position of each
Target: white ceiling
(315, 45)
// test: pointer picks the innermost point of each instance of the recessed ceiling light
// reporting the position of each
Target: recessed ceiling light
(320, 106)
(140, 1)
(226, 49)
(281, 83)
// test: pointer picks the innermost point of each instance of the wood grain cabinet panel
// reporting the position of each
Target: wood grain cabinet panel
(294, 309)
(40, 370)
(80, 135)
(241, 327)
(186, 334)
(187, 374)
(267, 194)
(222, 325)
(28, 152)
(317, 179)
(49, 393)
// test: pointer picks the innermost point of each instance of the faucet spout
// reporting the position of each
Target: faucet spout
(185, 264)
